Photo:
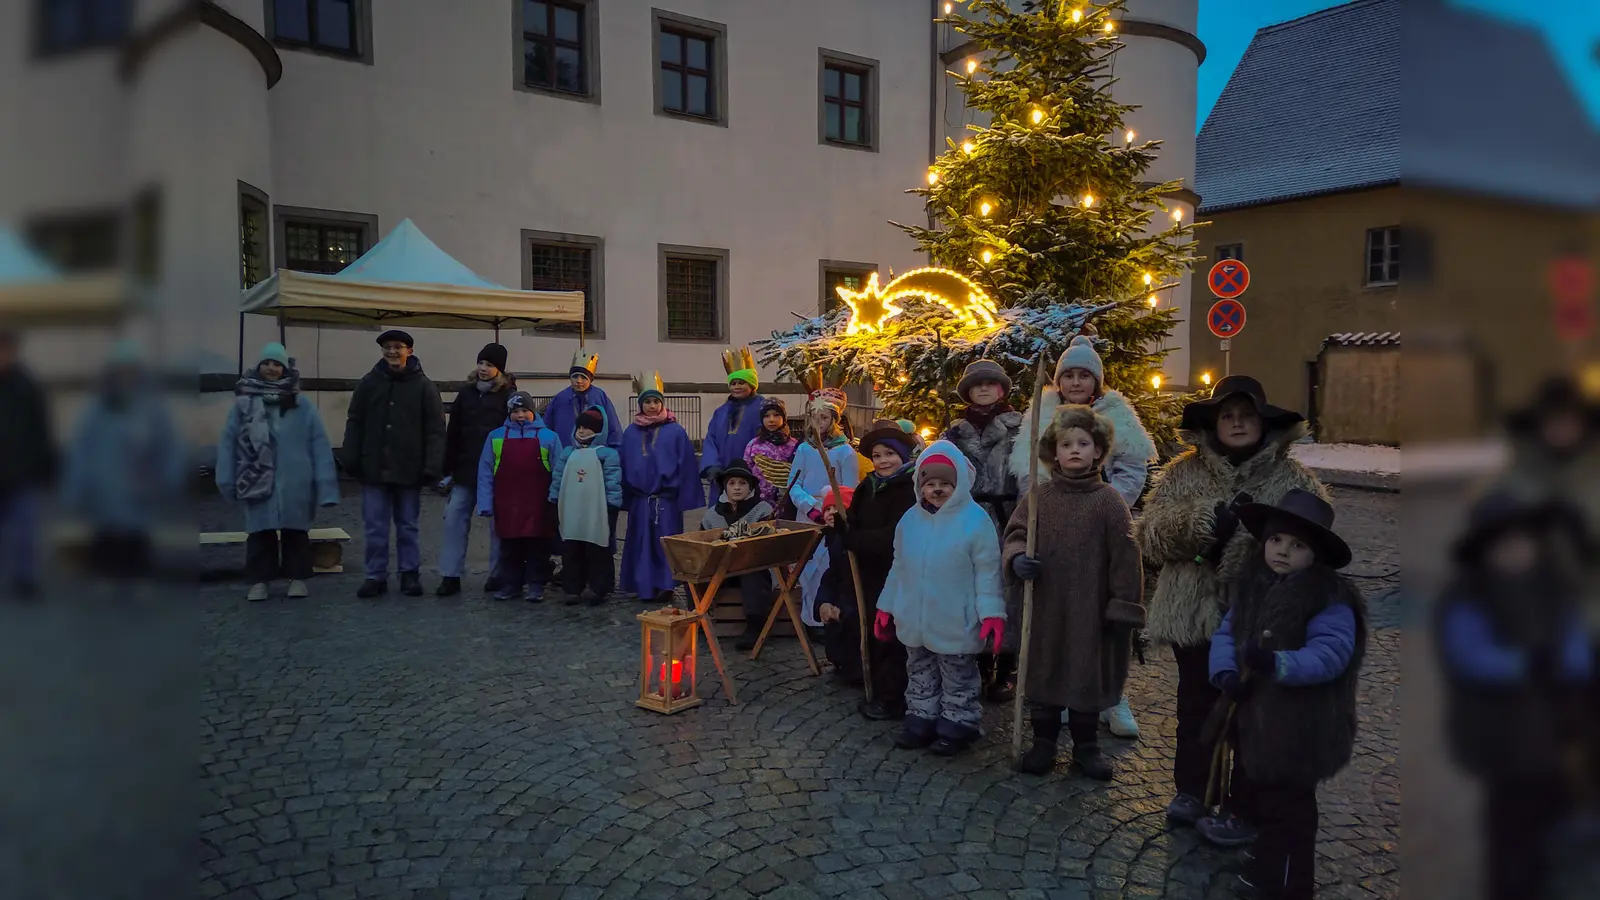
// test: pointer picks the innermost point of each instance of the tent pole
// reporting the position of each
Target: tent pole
(281, 339)
(241, 342)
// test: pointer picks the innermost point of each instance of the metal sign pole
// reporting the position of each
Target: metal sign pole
(1227, 357)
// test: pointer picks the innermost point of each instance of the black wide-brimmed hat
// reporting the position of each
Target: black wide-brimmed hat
(1201, 415)
(1503, 510)
(1555, 393)
(887, 431)
(1311, 518)
(737, 469)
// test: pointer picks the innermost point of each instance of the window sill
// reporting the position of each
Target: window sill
(574, 96)
(86, 49)
(359, 58)
(717, 122)
(686, 340)
(849, 145)
(558, 333)
(1380, 284)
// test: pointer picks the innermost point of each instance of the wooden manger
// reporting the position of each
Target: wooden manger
(704, 561)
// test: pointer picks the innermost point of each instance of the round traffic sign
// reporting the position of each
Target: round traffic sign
(1228, 278)
(1226, 318)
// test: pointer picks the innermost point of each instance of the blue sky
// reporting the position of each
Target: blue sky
(1572, 28)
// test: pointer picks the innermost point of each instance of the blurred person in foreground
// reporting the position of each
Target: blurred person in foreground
(1554, 451)
(1517, 664)
(27, 466)
(275, 461)
(125, 464)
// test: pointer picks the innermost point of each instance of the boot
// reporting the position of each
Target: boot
(1092, 762)
(491, 584)
(258, 592)
(411, 584)
(752, 633)
(448, 587)
(297, 590)
(372, 587)
(955, 741)
(1041, 757)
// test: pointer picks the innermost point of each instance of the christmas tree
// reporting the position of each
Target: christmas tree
(1045, 209)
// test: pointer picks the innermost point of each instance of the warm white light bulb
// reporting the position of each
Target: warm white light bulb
(1129, 136)
(1205, 378)
(972, 66)
(1088, 200)
(1177, 215)
(967, 147)
(904, 379)
(987, 255)
(1148, 278)
(1038, 115)
(984, 208)
(947, 8)
(1155, 382)
(926, 433)
(933, 177)
(1154, 301)
(1077, 15)
(1110, 26)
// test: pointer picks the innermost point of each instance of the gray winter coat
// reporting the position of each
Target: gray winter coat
(994, 487)
(303, 476)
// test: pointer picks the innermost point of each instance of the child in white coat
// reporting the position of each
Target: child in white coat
(945, 582)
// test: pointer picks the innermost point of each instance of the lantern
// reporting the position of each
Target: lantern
(666, 659)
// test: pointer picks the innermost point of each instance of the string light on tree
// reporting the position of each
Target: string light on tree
(947, 8)
(1148, 278)
(1155, 382)
(985, 208)
(1077, 16)
(933, 177)
(1110, 26)
(968, 147)
(1205, 378)
(987, 255)
(1038, 115)
(1128, 138)
(1177, 215)
(972, 66)
(1154, 301)
(1088, 200)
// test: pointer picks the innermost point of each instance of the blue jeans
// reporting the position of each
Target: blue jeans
(459, 511)
(19, 538)
(381, 504)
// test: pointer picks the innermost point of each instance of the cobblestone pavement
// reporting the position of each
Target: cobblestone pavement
(459, 748)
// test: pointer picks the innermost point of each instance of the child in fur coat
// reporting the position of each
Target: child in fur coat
(945, 582)
(1088, 583)
(1288, 653)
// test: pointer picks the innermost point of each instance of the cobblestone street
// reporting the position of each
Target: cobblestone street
(460, 748)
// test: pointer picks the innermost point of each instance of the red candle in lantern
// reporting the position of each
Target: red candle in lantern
(677, 677)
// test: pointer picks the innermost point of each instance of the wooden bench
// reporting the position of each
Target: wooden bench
(327, 546)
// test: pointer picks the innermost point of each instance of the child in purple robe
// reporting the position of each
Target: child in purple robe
(660, 482)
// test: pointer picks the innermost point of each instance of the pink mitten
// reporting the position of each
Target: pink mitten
(995, 627)
(883, 626)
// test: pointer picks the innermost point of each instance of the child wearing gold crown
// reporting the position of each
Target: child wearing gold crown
(735, 423)
(562, 414)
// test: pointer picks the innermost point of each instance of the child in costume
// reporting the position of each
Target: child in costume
(736, 421)
(986, 433)
(835, 605)
(514, 478)
(1288, 652)
(945, 581)
(770, 454)
(660, 482)
(808, 478)
(741, 503)
(880, 501)
(587, 491)
(1088, 583)
(562, 413)
(1080, 378)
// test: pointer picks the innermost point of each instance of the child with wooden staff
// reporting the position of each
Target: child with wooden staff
(1087, 590)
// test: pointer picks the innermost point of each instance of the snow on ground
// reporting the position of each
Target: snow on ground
(1349, 457)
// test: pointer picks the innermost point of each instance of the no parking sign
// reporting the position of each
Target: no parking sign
(1226, 318)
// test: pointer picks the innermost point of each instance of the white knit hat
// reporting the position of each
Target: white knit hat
(1081, 355)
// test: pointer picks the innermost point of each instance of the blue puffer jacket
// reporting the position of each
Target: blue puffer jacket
(946, 575)
(125, 465)
(303, 476)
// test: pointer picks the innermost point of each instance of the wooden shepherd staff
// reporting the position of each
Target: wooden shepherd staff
(1027, 586)
(855, 570)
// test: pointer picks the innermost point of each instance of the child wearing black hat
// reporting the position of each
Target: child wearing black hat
(587, 491)
(743, 504)
(1287, 655)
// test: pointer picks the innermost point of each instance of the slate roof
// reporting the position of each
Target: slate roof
(1363, 339)
(1328, 103)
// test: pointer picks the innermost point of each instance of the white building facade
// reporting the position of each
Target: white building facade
(705, 170)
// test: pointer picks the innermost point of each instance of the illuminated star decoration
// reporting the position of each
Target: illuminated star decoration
(871, 306)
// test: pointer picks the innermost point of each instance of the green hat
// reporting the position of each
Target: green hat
(748, 376)
(275, 352)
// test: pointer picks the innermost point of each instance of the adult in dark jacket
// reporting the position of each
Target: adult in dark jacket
(393, 444)
(875, 510)
(27, 466)
(476, 411)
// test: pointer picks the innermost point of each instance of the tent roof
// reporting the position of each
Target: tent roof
(35, 292)
(405, 279)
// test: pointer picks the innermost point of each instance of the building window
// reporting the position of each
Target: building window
(1229, 251)
(67, 26)
(555, 35)
(691, 62)
(1383, 256)
(78, 242)
(254, 258)
(694, 293)
(321, 241)
(849, 100)
(850, 276)
(565, 262)
(336, 27)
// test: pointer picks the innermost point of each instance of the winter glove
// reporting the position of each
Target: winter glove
(1234, 687)
(1261, 661)
(815, 515)
(1026, 567)
(883, 626)
(995, 627)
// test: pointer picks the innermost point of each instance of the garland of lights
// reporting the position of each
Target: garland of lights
(871, 306)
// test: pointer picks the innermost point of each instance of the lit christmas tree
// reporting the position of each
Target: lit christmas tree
(1046, 214)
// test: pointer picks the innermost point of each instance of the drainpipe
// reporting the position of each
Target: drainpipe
(935, 76)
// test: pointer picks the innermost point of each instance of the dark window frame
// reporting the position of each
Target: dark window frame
(715, 34)
(829, 267)
(146, 234)
(249, 193)
(112, 221)
(868, 69)
(1222, 251)
(360, 32)
(594, 293)
(282, 216)
(667, 252)
(44, 48)
(1388, 267)
(588, 51)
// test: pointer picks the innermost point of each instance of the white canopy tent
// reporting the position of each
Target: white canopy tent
(35, 293)
(406, 280)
